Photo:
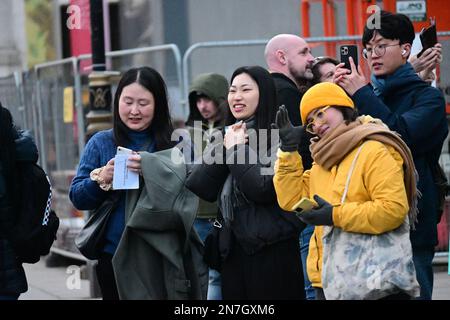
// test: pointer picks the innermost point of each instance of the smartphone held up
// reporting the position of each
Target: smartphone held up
(428, 36)
(346, 51)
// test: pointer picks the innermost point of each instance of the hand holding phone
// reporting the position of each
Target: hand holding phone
(347, 51)
(304, 204)
(428, 36)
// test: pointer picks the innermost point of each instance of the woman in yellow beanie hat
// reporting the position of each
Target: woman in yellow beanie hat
(363, 182)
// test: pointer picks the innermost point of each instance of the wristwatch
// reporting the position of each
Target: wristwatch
(95, 176)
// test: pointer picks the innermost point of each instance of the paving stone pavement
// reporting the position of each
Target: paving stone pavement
(56, 283)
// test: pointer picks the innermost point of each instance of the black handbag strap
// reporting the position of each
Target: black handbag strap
(112, 197)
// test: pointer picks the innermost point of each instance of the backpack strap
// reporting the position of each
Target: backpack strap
(49, 204)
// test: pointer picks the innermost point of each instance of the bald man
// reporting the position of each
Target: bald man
(290, 61)
(291, 56)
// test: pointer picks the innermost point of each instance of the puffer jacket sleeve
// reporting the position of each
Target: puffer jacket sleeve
(253, 178)
(206, 180)
(388, 204)
(206, 176)
(290, 181)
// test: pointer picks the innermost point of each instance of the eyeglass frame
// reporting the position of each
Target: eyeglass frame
(314, 119)
(365, 52)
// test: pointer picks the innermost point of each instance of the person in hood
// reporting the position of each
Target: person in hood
(408, 105)
(207, 96)
(15, 146)
(363, 181)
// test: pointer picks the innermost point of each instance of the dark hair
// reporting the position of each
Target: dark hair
(8, 151)
(393, 26)
(161, 125)
(267, 103)
(320, 61)
(349, 114)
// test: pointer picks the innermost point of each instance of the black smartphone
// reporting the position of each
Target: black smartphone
(428, 37)
(346, 51)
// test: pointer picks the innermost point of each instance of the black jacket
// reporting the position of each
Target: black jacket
(12, 275)
(289, 95)
(257, 220)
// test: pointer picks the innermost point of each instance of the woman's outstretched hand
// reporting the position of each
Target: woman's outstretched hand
(290, 136)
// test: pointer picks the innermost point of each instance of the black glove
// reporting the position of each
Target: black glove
(322, 215)
(290, 136)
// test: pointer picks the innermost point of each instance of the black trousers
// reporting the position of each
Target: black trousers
(105, 276)
(273, 273)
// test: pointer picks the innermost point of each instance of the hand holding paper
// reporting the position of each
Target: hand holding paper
(124, 177)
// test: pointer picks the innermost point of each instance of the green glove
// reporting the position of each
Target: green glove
(290, 136)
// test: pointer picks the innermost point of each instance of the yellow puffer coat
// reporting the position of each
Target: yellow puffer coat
(376, 201)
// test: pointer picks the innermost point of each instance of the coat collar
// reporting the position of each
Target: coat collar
(404, 75)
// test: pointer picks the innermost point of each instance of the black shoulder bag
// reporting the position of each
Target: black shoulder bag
(91, 239)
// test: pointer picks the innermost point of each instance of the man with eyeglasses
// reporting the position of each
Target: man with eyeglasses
(408, 105)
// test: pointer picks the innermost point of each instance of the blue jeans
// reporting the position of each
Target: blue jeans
(304, 247)
(203, 227)
(423, 262)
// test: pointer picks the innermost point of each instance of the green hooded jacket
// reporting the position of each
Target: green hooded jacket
(215, 87)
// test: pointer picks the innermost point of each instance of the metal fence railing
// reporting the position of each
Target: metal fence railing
(11, 97)
(233, 54)
(36, 99)
(59, 136)
(166, 59)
